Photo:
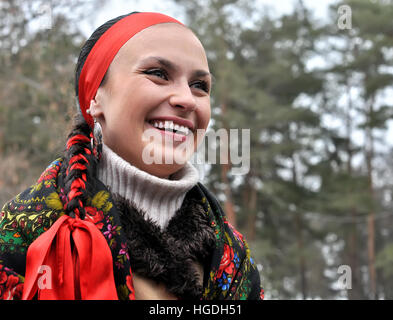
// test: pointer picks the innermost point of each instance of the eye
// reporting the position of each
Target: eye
(203, 85)
(157, 72)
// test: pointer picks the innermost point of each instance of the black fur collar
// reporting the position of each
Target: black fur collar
(167, 256)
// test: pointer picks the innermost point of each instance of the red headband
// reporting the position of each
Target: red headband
(106, 48)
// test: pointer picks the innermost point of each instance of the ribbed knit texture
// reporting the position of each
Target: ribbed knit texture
(159, 198)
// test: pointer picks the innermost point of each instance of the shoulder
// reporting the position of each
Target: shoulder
(31, 212)
(235, 270)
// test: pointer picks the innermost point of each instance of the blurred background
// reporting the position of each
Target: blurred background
(312, 80)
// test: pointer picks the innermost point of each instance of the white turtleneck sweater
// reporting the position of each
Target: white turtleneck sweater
(159, 198)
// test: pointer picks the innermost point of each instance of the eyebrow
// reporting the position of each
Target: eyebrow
(171, 66)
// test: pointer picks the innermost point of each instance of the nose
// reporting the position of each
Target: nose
(182, 97)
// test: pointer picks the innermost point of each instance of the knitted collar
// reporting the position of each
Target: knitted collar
(158, 198)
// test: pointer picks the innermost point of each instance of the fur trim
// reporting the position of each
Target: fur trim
(167, 256)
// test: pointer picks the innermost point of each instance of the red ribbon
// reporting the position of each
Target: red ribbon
(106, 48)
(76, 139)
(80, 268)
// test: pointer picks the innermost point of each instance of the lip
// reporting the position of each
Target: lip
(176, 120)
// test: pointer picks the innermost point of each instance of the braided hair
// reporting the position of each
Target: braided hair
(80, 158)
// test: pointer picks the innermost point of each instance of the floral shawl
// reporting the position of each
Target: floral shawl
(233, 273)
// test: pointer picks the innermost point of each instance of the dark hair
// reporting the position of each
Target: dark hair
(89, 45)
(80, 162)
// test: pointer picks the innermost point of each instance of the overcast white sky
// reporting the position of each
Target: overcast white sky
(116, 8)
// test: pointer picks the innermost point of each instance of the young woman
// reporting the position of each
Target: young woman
(103, 221)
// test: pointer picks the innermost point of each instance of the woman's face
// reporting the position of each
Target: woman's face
(160, 77)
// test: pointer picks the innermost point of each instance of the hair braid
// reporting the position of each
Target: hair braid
(80, 159)
(79, 167)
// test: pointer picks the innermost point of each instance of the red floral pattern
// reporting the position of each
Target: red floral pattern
(96, 216)
(262, 294)
(226, 263)
(130, 286)
(236, 233)
(50, 172)
(11, 287)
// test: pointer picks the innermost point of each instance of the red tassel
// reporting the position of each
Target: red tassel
(78, 183)
(78, 166)
(75, 139)
(77, 158)
(73, 193)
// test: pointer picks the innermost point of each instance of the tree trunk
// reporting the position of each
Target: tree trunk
(302, 262)
(355, 293)
(251, 205)
(225, 168)
(228, 204)
(371, 216)
(371, 254)
(299, 237)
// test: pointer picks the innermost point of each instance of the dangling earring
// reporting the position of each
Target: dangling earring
(97, 139)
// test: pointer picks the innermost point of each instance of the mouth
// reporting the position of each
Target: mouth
(173, 125)
(176, 127)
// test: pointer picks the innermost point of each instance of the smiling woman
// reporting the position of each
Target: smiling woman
(101, 222)
(149, 81)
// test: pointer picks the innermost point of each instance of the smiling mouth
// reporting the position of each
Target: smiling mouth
(170, 127)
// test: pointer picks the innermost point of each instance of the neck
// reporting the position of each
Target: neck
(158, 198)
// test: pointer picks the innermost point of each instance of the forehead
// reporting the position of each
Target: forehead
(166, 39)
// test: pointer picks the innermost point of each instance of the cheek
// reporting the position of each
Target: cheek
(130, 108)
(204, 115)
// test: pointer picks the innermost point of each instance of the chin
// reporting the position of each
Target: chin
(163, 162)
(163, 170)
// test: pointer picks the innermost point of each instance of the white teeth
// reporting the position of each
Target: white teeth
(184, 130)
(170, 126)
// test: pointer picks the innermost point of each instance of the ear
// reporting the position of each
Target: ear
(96, 105)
